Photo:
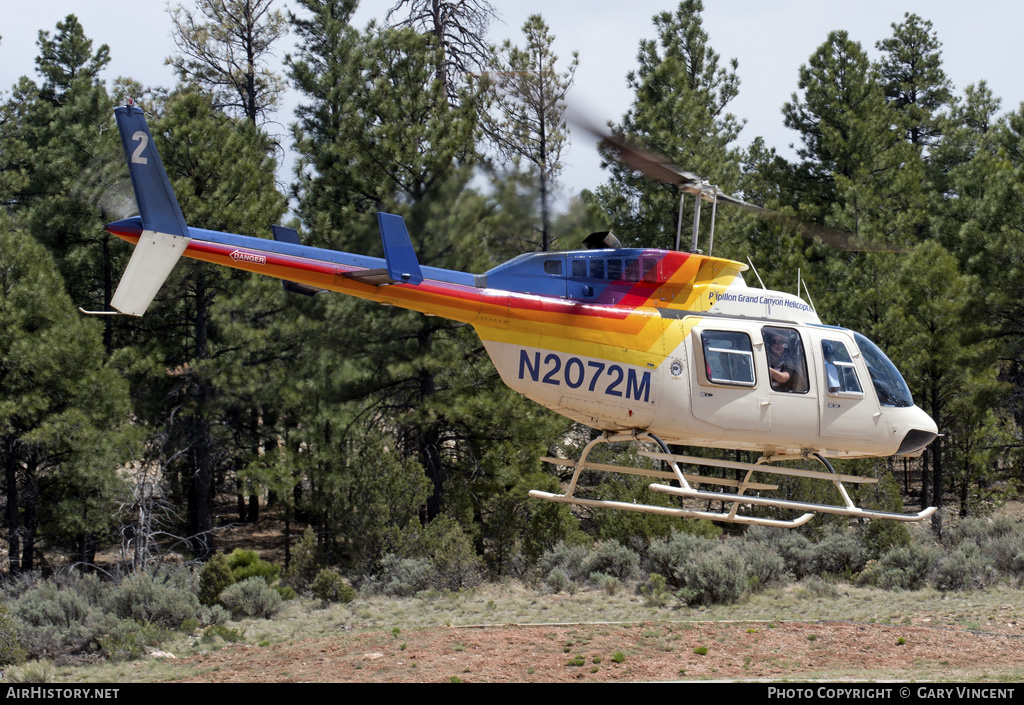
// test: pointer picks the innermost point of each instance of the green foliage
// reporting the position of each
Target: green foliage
(305, 563)
(452, 554)
(56, 620)
(252, 597)
(11, 650)
(401, 577)
(129, 639)
(213, 578)
(838, 553)
(330, 588)
(682, 92)
(244, 563)
(704, 571)
(655, 592)
(880, 537)
(163, 600)
(903, 568)
(963, 568)
(40, 671)
(612, 558)
(527, 121)
(609, 584)
(567, 558)
(210, 37)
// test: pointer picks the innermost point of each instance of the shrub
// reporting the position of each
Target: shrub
(568, 558)
(151, 599)
(763, 567)
(612, 558)
(244, 564)
(328, 587)
(559, 581)
(795, 549)
(452, 554)
(608, 583)
(11, 650)
(213, 615)
(905, 568)
(716, 577)
(667, 557)
(252, 597)
(880, 537)
(838, 553)
(55, 621)
(304, 563)
(963, 568)
(128, 639)
(400, 577)
(654, 592)
(41, 671)
(213, 578)
(1007, 551)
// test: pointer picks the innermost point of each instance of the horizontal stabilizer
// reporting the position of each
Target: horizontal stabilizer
(283, 234)
(152, 261)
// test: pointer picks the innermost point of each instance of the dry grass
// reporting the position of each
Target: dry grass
(512, 633)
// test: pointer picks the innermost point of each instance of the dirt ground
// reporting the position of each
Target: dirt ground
(626, 653)
(617, 652)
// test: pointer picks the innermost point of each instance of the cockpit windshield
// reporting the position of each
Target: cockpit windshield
(892, 390)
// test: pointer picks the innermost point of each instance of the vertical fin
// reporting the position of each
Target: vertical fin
(283, 234)
(165, 234)
(399, 255)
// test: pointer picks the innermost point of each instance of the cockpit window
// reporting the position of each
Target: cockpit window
(552, 266)
(728, 357)
(840, 373)
(892, 390)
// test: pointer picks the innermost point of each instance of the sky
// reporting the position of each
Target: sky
(771, 39)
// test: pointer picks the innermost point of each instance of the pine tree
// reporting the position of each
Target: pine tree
(459, 29)
(682, 93)
(914, 81)
(527, 121)
(224, 46)
(63, 411)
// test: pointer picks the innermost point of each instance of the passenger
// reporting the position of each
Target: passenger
(784, 367)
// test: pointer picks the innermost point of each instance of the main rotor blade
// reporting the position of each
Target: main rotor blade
(659, 168)
(651, 164)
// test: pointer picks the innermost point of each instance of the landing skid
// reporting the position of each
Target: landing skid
(686, 490)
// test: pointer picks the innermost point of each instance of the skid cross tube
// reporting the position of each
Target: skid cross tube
(686, 490)
(684, 481)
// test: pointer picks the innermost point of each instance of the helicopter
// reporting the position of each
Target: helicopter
(642, 345)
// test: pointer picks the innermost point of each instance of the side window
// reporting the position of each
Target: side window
(597, 269)
(552, 266)
(579, 268)
(615, 269)
(787, 365)
(728, 357)
(632, 270)
(840, 374)
(650, 269)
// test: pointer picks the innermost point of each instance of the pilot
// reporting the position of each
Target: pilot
(783, 366)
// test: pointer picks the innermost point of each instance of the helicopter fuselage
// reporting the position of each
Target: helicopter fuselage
(629, 339)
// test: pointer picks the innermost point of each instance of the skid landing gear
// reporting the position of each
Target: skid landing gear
(736, 499)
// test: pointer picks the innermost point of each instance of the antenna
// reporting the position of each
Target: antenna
(752, 267)
(809, 299)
